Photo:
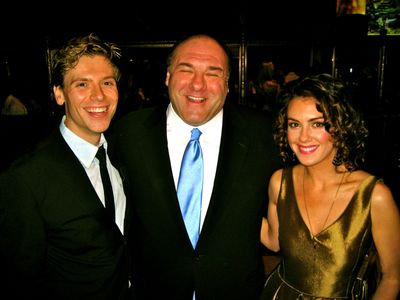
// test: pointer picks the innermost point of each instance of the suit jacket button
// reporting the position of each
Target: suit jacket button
(198, 257)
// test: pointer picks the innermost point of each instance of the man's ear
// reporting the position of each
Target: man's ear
(167, 78)
(59, 95)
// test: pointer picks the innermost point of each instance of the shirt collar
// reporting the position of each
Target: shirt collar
(212, 127)
(82, 149)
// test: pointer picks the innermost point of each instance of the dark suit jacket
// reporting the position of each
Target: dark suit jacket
(56, 241)
(227, 262)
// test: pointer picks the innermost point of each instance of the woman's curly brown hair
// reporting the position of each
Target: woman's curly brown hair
(343, 121)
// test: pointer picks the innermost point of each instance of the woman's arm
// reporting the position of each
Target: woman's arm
(270, 226)
(386, 233)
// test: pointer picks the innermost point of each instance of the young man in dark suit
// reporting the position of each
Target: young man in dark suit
(238, 159)
(57, 239)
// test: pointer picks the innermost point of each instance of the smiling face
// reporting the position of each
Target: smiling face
(307, 136)
(197, 80)
(90, 96)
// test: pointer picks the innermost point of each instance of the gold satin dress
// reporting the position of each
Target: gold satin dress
(323, 266)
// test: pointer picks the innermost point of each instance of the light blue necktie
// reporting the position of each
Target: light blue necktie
(190, 186)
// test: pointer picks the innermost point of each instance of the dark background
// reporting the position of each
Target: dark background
(283, 31)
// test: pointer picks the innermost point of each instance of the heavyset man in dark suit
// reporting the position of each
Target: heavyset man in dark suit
(239, 158)
(56, 239)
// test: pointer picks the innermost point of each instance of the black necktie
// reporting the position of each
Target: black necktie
(105, 178)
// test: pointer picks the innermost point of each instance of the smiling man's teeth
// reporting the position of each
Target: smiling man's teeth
(97, 109)
(196, 98)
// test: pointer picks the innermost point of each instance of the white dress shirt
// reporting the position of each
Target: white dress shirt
(86, 153)
(178, 135)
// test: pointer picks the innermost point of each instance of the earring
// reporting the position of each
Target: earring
(294, 157)
(337, 160)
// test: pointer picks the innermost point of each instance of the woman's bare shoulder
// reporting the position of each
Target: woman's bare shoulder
(381, 194)
(276, 177)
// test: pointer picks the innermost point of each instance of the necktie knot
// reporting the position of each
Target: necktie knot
(195, 134)
(101, 154)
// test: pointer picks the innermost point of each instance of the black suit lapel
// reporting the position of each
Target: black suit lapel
(76, 179)
(155, 145)
(233, 151)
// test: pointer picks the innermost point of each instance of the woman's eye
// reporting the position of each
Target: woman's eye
(319, 124)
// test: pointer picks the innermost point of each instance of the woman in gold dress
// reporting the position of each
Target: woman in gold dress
(325, 212)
